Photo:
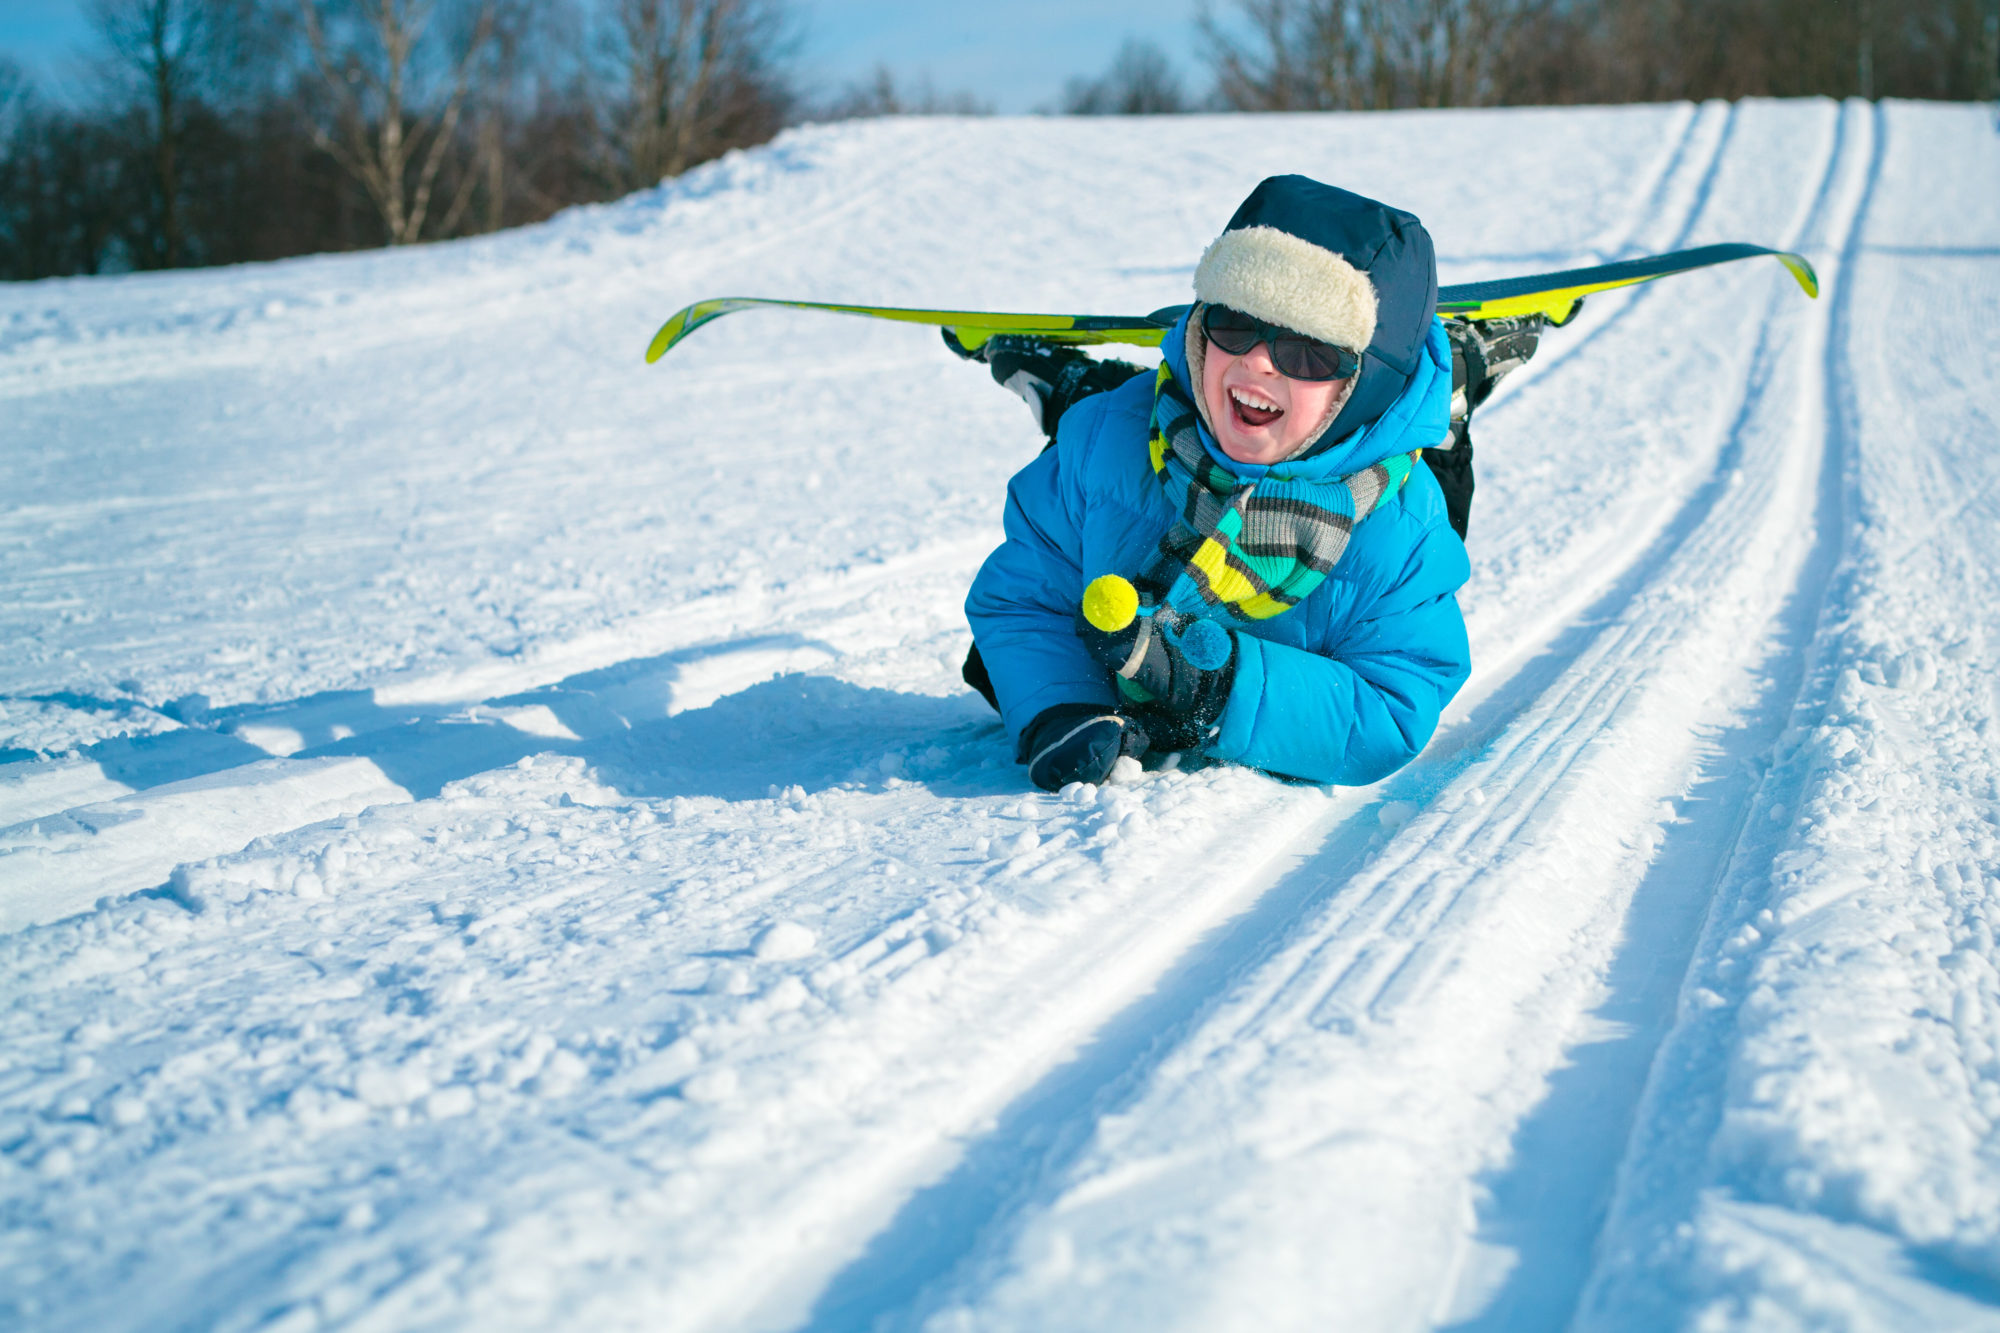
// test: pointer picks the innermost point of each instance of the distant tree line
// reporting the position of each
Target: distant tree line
(1300, 55)
(219, 131)
(229, 130)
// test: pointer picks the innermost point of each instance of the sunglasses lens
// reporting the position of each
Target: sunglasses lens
(1299, 358)
(1236, 342)
(1308, 359)
(1231, 330)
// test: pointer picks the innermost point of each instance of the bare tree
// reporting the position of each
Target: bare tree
(392, 117)
(1985, 14)
(881, 95)
(1140, 82)
(1789, 48)
(1364, 54)
(499, 93)
(166, 55)
(694, 78)
(1299, 56)
(1443, 48)
(63, 189)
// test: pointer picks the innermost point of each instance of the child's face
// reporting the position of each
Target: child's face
(1259, 415)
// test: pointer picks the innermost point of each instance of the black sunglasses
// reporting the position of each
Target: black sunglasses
(1295, 355)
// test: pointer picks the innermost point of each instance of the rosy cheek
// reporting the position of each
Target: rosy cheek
(1211, 384)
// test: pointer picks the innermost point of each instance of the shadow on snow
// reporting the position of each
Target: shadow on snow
(785, 729)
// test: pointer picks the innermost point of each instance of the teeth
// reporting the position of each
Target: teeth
(1251, 398)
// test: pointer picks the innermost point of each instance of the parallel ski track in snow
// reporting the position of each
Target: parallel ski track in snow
(1747, 855)
(1358, 934)
(1553, 1199)
(1364, 931)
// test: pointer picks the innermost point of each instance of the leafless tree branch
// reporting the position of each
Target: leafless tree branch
(382, 134)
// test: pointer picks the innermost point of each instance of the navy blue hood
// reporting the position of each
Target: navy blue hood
(1387, 244)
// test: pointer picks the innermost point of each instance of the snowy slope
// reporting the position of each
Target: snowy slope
(491, 834)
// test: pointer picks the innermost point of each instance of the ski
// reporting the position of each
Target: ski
(971, 327)
(1555, 295)
(1552, 295)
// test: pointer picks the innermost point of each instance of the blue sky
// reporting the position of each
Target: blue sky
(1014, 54)
(39, 34)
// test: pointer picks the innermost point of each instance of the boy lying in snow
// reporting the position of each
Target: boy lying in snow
(1269, 574)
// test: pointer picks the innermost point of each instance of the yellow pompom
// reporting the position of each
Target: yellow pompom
(1110, 603)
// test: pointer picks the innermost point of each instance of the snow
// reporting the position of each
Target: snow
(491, 834)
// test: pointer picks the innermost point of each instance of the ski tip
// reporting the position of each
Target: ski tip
(668, 335)
(1801, 270)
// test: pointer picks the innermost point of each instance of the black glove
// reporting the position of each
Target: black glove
(1174, 671)
(1078, 743)
(1049, 377)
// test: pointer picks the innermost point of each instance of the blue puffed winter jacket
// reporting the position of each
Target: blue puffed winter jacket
(1346, 687)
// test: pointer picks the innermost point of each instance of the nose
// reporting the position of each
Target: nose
(1258, 360)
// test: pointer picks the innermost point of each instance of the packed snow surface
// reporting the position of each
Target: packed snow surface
(492, 836)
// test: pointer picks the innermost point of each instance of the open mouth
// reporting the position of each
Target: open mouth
(1252, 409)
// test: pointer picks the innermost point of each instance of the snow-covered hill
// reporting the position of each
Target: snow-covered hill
(491, 834)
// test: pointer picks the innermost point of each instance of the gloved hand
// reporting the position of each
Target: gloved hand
(1078, 743)
(1165, 663)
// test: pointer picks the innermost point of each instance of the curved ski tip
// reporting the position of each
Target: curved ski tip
(1801, 270)
(665, 338)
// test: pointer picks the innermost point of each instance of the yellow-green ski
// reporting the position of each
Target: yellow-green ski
(1554, 295)
(971, 327)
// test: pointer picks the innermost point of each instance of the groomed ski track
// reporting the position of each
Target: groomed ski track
(664, 941)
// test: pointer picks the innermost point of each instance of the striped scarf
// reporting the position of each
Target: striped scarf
(1255, 548)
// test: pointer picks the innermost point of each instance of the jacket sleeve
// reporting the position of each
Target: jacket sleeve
(1022, 606)
(1368, 705)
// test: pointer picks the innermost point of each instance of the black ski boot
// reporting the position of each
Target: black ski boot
(1486, 351)
(1049, 377)
(1483, 352)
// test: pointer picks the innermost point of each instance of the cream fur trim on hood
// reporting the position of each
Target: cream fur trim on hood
(1280, 278)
